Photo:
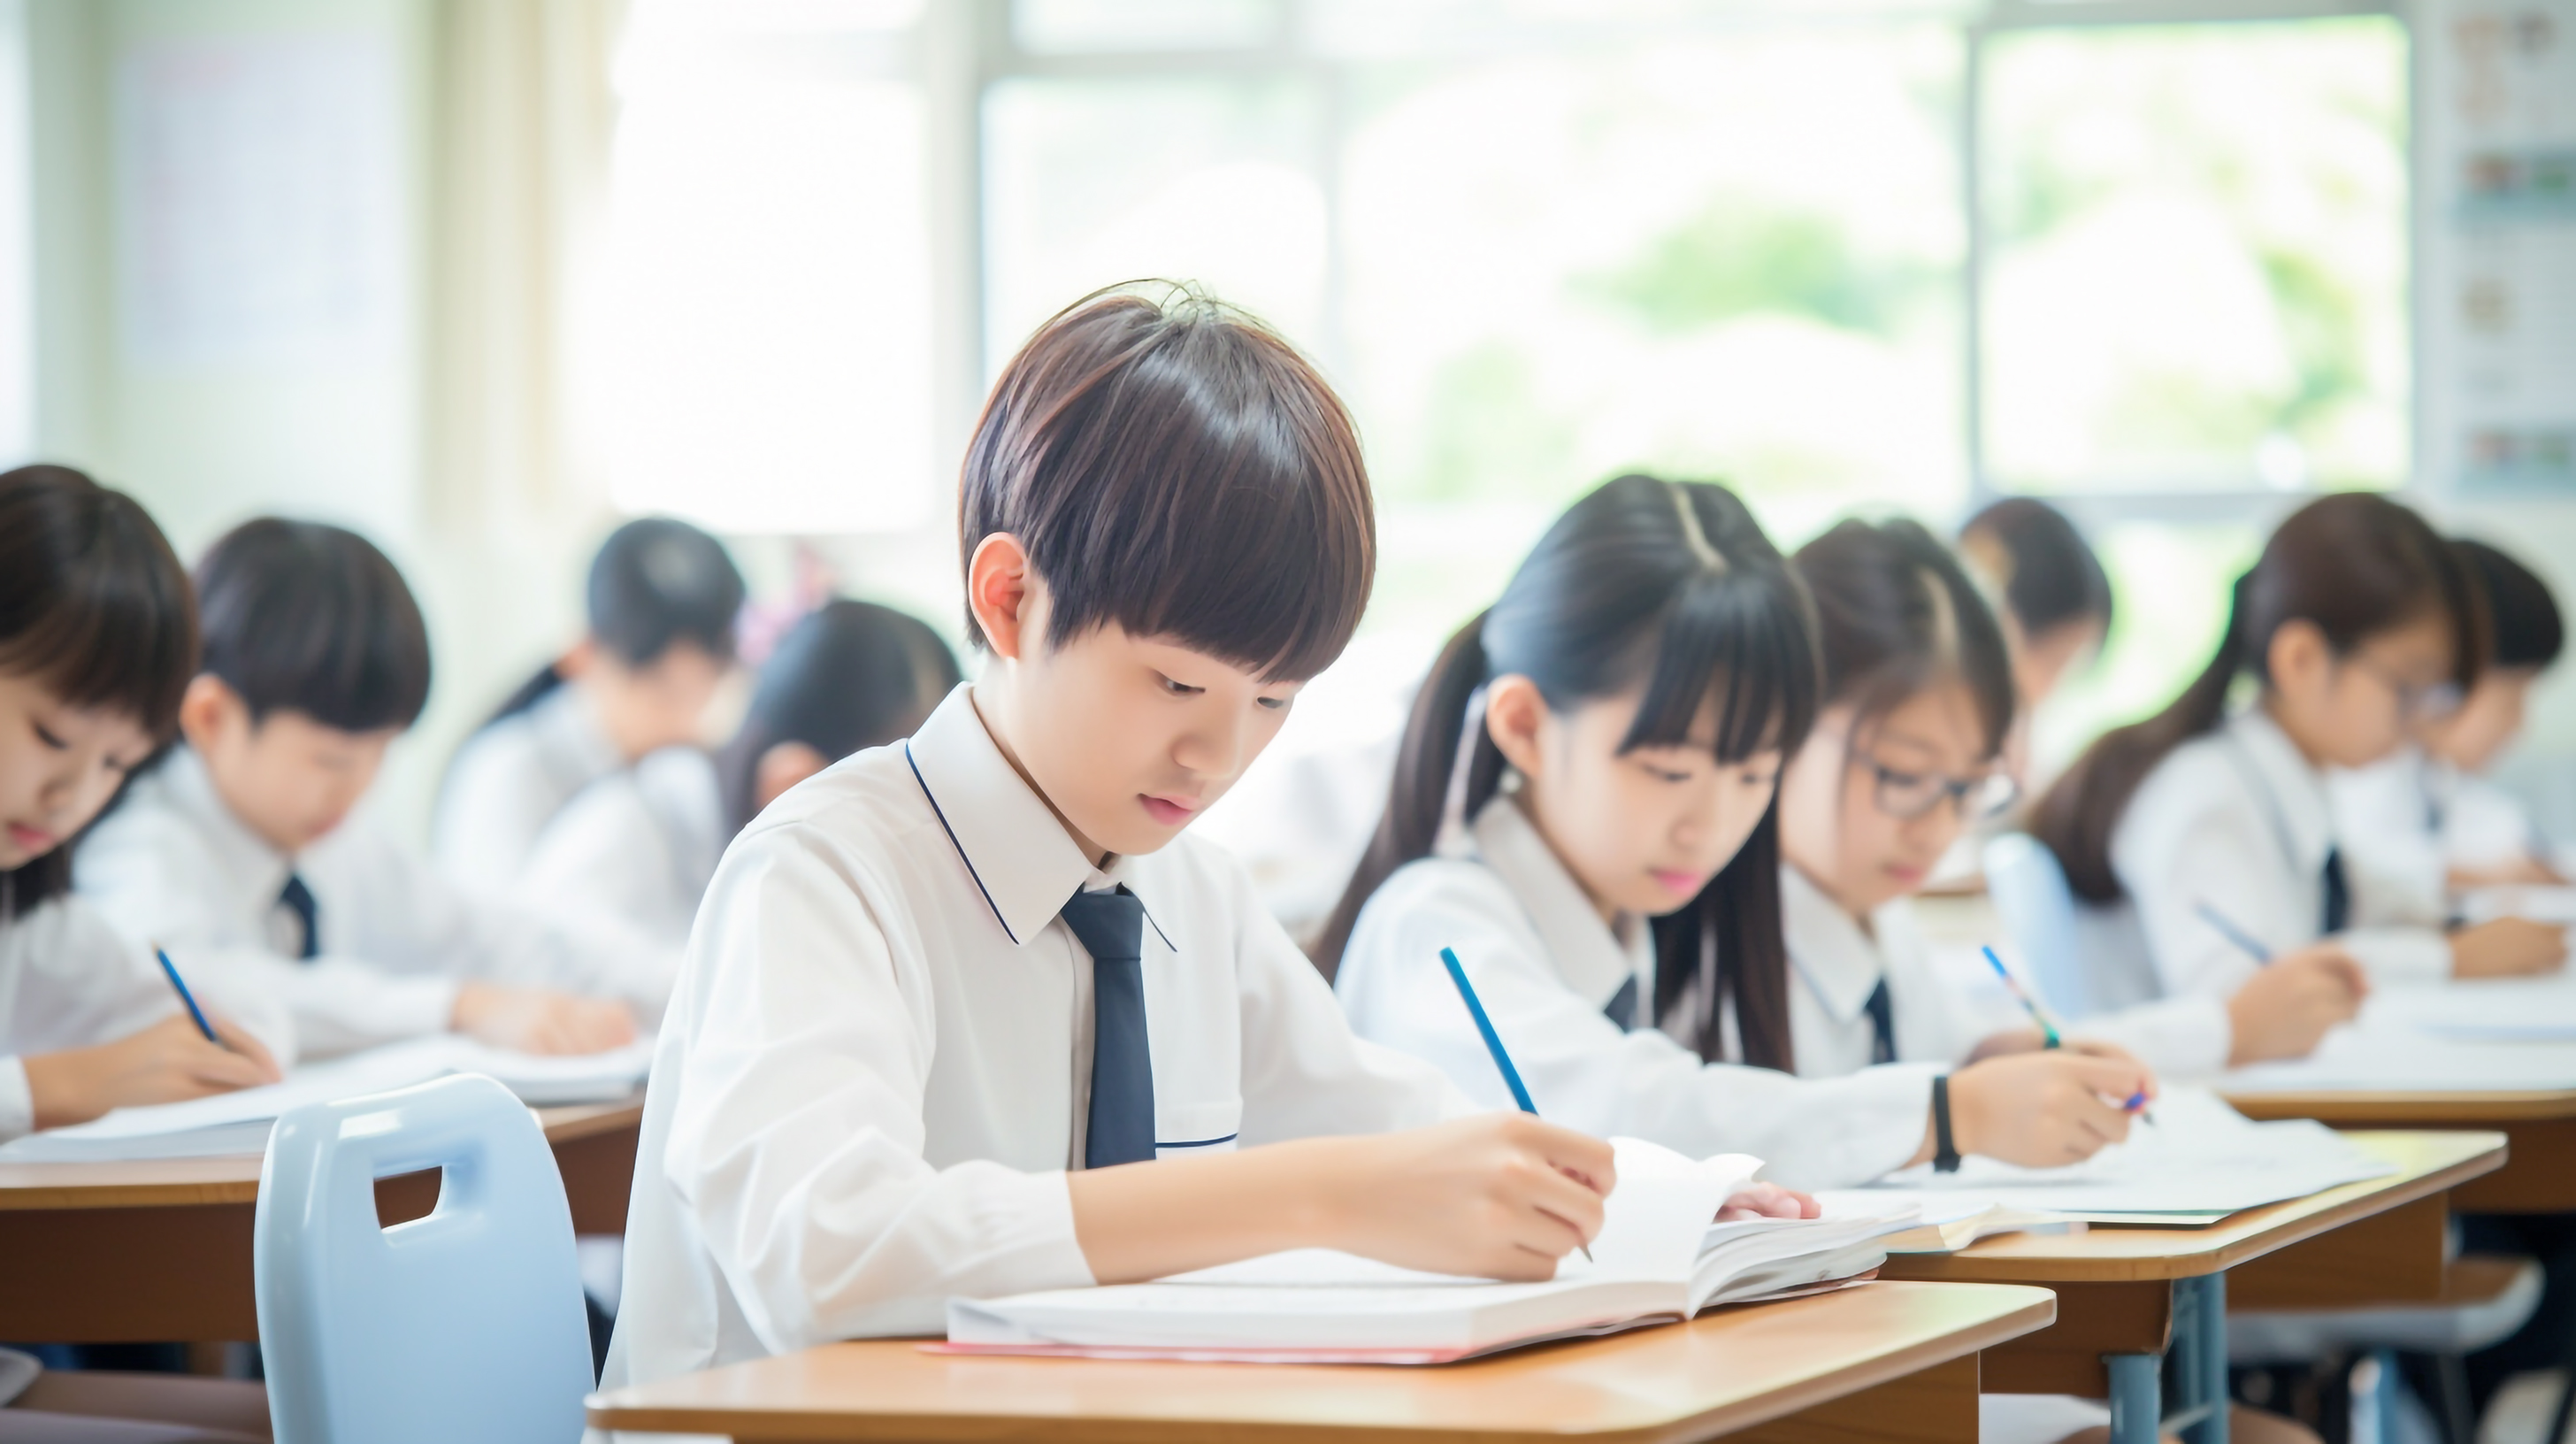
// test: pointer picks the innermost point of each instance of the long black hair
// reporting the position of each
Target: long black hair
(1671, 590)
(1896, 613)
(2353, 565)
(656, 582)
(95, 607)
(848, 676)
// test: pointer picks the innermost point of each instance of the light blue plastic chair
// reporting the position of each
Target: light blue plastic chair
(464, 1325)
(2038, 910)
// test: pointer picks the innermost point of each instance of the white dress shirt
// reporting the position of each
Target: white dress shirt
(2237, 820)
(638, 845)
(1545, 966)
(509, 780)
(874, 1071)
(67, 980)
(172, 863)
(2409, 820)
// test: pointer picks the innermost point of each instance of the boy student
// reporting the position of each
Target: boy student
(240, 844)
(966, 1015)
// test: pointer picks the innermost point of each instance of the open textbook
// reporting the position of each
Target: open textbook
(2199, 1161)
(239, 1122)
(1658, 1258)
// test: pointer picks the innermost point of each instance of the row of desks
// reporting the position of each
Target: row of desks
(161, 1250)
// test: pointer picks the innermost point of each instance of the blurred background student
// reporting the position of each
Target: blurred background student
(662, 600)
(639, 844)
(2052, 598)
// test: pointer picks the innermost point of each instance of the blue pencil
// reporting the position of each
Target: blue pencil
(170, 970)
(1493, 1041)
(2029, 1004)
(2246, 942)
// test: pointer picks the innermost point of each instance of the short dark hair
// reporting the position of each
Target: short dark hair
(2524, 631)
(2048, 575)
(95, 608)
(1174, 467)
(1896, 613)
(305, 617)
(656, 582)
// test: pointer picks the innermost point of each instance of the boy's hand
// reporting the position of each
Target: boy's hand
(2508, 948)
(1767, 1200)
(2041, 1110)
(1500, 1195)
(2292, 1001)
(540, 1020)
(165, 1063)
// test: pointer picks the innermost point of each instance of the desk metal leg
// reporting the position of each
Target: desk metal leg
(2137, 1397)
(2199, 1355)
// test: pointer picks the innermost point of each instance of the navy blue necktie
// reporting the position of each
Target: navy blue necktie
(298, 899)
(1882, 1024)
(1111, 927)
(2338, 909)
(1622, 1009)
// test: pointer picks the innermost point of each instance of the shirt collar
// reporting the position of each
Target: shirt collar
(255, 868)
(1587, 953)
(1019, 854)
(2290, 787)
(1840, 962)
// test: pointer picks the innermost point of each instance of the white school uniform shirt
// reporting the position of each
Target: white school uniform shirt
(637, 845)
(2237, 819)
(68, 980)
(2412, 818)
(509, 780)
(172, 863)
(1839, 963)
(875, 1069)
(1547, 967)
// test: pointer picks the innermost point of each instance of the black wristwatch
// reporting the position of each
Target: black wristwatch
(1945, 1149)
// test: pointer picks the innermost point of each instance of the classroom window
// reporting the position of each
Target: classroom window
(2197, 264)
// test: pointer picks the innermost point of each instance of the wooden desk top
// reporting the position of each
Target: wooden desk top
(232, 1177)
(2435, 1110)
(2428, 1163)
(1722, 1372)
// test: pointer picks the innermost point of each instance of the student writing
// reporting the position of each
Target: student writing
(243, 843)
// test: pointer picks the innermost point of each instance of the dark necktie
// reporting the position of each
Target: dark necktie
(1111, 927)
(298, 899)
(1882, 1024)
(2338, 909)
(1623, 1007)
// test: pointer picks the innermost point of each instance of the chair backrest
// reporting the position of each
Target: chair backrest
(2038, 909)
(466, 1324)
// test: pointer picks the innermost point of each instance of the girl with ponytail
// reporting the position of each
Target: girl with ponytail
(1584, 811)
(2357, 630)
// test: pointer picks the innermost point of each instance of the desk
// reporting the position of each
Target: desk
(2128, 1295)
(159, 1249)
(2539, 1125)
(1884, 1362)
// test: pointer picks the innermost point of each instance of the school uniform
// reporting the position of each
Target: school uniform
(2237, 822)
(889, 1046)
(361, 941)
(2408, 820)
(1571, 996)
(509, 780)
(638, 844)
(67, 980)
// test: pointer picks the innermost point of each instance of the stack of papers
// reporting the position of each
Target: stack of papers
(1946, 1221)
(239, 1122)
(1658, 1259)
(2199, 1161)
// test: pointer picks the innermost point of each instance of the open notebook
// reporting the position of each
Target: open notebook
(1658, 1258)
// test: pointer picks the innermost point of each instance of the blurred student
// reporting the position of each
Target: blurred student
(2425, 825)
(98, 636)
(241, 844)
(640, 844)
(1610, 876)
(2054, 603)
(662, 601)
(969, 1015)
(2205, 834)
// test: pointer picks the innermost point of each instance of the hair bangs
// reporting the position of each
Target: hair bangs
(1739, 643)
(95, 606)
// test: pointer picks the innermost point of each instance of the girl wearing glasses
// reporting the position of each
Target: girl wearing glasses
(1584, 810)
(2204, 832)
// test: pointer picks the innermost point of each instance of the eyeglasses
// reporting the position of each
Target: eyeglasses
(2417, 702)
(1909, 795)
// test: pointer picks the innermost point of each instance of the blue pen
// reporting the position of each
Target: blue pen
(1493, 1041)
(170, 970)
(2029, 1004)
(2245, 942)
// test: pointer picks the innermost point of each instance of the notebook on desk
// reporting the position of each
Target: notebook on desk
(1658, 1258)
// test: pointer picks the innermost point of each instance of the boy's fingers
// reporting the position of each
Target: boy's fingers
(2121, 1078)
